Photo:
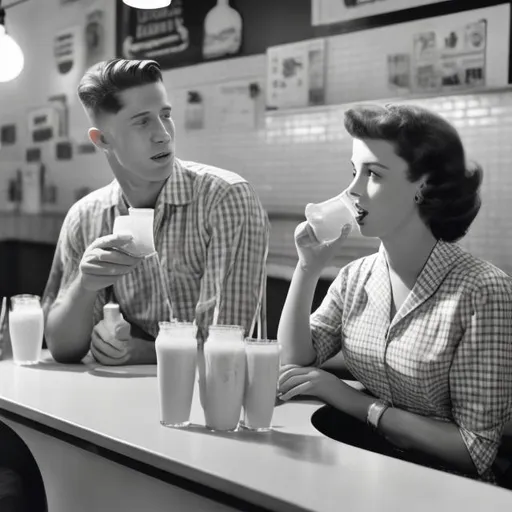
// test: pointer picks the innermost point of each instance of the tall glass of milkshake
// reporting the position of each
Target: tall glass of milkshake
(176, 354)
(260, 383)
(26, 329)
(224, 356)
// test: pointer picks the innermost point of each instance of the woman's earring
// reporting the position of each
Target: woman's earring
(418, 198)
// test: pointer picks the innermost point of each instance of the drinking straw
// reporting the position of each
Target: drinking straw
(3, 313)
(163, 282)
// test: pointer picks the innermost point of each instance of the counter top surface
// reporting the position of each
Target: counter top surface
(292, 468)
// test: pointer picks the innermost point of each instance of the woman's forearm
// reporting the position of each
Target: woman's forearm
(294, 332)
(409, 431)
(439, 439)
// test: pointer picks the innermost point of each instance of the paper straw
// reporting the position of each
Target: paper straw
(216, 311)
(3, 312)
(165, 288)
(201, 370)
(260, 314)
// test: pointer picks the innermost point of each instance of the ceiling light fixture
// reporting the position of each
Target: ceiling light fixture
(147, 4)
(11, 56)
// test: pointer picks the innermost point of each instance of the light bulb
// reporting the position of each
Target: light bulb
(11, 57)
(147, 4)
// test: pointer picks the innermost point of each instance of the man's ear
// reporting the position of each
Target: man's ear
(98, 138)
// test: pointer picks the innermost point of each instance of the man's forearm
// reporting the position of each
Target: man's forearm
(294, 332)
(409, 431)
(69, 324)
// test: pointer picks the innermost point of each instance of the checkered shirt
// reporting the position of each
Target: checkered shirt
(446, 354)
(211, 236)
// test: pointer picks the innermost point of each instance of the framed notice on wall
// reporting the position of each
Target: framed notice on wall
(325, 12)
(450, 59)
(296, 74)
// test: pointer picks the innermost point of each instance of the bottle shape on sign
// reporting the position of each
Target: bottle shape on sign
(222, 31)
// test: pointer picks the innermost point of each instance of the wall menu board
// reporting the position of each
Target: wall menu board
(172, 35)
(325, 12)
(175, 35)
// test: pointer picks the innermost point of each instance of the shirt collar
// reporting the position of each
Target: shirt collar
(442, 259)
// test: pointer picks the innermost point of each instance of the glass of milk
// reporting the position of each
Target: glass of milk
(261, 378)
(139, 223)
(26, 328)
(176, 355)
(224, 356)
(328, 218)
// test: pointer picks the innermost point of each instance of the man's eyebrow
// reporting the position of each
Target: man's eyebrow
(145, 113)
(140, 114)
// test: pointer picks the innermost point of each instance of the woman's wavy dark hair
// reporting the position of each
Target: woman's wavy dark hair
(101, 84)
(431, 147)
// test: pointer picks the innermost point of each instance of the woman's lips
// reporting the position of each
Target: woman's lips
(361, 213)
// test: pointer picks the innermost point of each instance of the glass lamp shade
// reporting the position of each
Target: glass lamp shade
(11, 57)
(147, 4)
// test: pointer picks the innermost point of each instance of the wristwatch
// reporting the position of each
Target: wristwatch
(375, 412)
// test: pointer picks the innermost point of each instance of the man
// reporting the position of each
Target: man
(211, 231)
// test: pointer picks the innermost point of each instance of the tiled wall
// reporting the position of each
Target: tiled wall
(485, 125)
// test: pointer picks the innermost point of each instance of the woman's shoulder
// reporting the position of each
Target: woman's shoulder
(481, 276)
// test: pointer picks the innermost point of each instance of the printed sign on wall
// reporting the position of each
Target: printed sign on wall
(325, 12)
(296, 74)
(64, 50)
(94, 35)
(450, 60)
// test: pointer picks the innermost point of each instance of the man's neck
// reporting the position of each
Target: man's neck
(137, 192)
(143, 195)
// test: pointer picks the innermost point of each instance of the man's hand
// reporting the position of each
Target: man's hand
(313, 255)
(105, 261)
(122, 348)
(297, 380)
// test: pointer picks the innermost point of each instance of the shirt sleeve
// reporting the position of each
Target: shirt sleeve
(327, 321)
(66, 260)
(235, 271)
(65, 265)
(481, 372)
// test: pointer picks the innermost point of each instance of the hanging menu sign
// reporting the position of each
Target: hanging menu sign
(155, 33)
(171, 35)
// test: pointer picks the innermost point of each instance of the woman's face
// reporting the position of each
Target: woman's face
(380, 189)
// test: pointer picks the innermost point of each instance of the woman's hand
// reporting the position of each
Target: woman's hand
(306, 380)
(314, 255)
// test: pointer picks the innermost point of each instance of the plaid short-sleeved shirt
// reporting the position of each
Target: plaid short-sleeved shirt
(211, 236)
(446, 354)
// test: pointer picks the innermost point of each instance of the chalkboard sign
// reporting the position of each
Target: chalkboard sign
(175, 35)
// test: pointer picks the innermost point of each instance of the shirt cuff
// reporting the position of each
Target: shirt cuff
(482, 450)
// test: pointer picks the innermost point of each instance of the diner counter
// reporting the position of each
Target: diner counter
(293, 468)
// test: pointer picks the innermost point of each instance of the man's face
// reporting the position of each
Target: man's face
(141, 135)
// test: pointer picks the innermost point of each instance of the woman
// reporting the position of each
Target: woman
(423, 325)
